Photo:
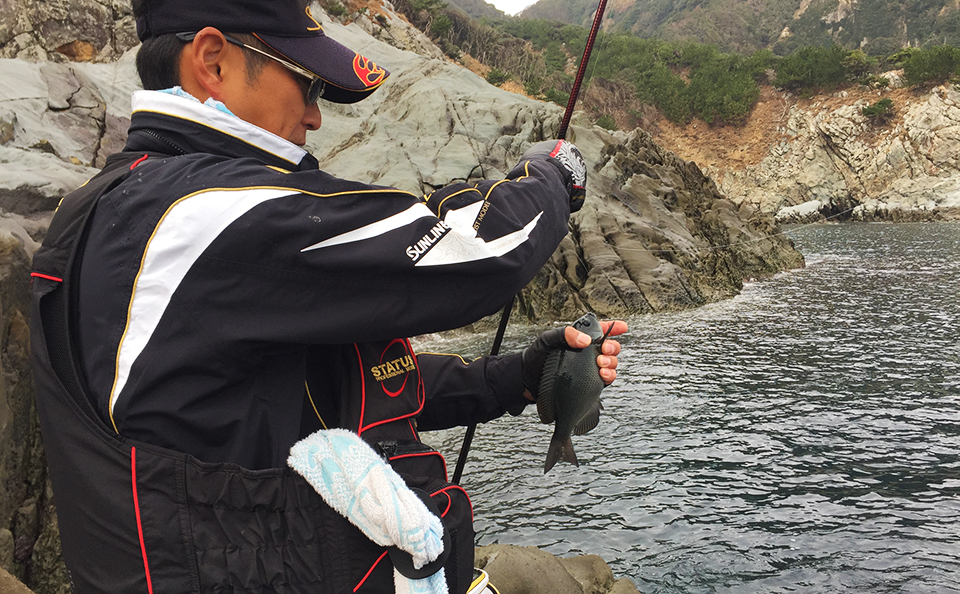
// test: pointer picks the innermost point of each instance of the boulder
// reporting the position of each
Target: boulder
(529, 570)
(26, 509)
(11, 585)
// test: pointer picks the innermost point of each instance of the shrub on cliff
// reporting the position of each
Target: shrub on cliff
(497, 77)
(607, 121)
(812, 68)
(879, 112)
(935, 65)
(860, 66)
(723, 89)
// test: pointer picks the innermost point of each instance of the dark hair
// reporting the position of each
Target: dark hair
(158, 59)
(158, 62)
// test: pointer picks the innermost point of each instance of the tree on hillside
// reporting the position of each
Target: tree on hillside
(858, 64)
(811, 68)
(723, 89)
(931, 66)
(662, 87)
(880, 112)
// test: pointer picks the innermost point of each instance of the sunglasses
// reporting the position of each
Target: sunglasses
(314, 90)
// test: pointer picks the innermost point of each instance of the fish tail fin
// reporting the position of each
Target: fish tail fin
(560, 449)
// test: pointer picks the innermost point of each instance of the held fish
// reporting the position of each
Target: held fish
(569, 392)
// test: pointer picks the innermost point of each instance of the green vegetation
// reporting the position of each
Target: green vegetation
(497, 77)
(882, 110)
(812, 68)
(682, 79)
(935, 65)
(607, 121)
(878, 27)
(333, 7)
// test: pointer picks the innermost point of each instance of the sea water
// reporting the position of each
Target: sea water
(801, 437)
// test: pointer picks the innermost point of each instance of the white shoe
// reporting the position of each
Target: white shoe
(481, 583)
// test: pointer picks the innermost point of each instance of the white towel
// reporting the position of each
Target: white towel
(352, 479)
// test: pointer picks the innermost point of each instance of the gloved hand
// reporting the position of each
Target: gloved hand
(571, 161)
(535, 355)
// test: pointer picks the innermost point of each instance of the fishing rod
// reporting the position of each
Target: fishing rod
(561, 134)
(575, 92)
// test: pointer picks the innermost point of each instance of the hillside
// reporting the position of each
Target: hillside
(479, 9)
(876, 26)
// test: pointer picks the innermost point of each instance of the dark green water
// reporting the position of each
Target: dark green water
(802, 437)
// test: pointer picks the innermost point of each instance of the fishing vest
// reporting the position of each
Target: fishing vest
(135, 517)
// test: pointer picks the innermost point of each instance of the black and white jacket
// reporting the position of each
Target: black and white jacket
(231, 298)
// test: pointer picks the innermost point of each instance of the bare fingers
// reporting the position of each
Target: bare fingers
(610, 348)
(608, 368)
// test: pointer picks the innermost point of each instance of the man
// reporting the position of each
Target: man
(212, 297)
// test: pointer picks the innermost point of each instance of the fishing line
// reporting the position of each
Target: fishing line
(561, 134)
(602, 38)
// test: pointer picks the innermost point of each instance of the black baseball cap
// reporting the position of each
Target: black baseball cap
(285, 26)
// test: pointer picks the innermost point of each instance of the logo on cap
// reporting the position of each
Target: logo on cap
(310, 16)
(368, 72)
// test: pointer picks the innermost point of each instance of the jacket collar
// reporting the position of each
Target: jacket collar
(169, 124)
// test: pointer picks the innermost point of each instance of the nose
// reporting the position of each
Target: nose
(312, 117)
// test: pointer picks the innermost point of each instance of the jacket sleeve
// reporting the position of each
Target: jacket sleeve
(460, 393)
(332, 261)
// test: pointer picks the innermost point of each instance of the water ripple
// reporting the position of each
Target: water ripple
(802, 437)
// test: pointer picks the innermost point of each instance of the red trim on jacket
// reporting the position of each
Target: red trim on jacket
(458, 488)
(449, 503)
(136, 507)
(46, 276)
(138, 161)
(372, 567)
(363, 395)
(413, 429)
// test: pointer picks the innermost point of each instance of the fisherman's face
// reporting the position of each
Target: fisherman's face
(275, 99)
(276, 102)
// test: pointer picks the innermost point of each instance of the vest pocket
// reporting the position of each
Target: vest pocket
(424, 468)
(269, 531)
(389, 384)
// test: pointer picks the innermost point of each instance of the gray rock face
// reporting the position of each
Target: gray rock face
(839, 161)
(26, 507)
(656, 234)
(66, 30)
(76, 113)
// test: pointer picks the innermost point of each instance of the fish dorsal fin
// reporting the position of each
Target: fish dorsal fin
(545, 392)
(589, 420)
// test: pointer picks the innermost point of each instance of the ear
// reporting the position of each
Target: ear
(206, 64)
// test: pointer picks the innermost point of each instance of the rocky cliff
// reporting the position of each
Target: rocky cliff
(656, 233)
(810, 159)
